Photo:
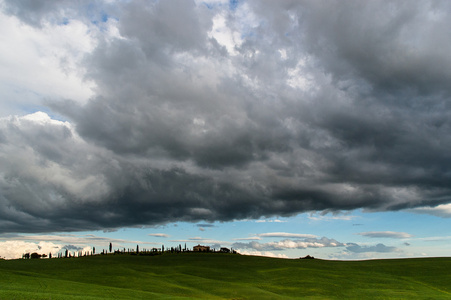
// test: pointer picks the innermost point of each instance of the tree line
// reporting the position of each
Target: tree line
(131, 251)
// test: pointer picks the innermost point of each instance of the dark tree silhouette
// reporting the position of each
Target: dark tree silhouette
(137, 249)
(111, 247)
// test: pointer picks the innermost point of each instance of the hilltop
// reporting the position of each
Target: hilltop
(222, 276)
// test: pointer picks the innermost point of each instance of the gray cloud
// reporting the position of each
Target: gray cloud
(40, 13)
(386, 234)
(286, 234)
(377, 248)
(32, 12)
(72, 247)
(252, 238)
(205, 225)
(309, 107)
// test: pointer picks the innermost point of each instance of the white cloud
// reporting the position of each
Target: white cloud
(262, 253)
(164, 235)
(43, 63)
(224, 35)
(443, 210)
(15, 249)
(298, 77)
(270, 221)
(201, 240)
(348, 255)
(16, 245)
(230, 28)
(289, 244)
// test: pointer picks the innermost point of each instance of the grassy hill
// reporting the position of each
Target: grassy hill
(223, 276)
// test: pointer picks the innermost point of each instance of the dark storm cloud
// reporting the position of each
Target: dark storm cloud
(287, 107)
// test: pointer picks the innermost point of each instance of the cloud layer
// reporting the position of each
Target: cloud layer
(290, 244)
(206, 112)
(386, 234)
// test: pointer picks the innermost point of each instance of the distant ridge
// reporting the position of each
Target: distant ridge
(222, 276)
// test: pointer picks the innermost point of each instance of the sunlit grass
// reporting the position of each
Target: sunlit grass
(223, 276)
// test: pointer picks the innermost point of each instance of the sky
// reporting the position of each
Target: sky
(276, 128)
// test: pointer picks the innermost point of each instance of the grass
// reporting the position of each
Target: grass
(223, 276)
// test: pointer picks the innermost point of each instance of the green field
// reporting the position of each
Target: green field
(223, 276)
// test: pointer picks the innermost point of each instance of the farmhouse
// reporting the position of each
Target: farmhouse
(200, 248)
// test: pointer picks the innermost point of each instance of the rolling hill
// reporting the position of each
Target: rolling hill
(223, 276)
